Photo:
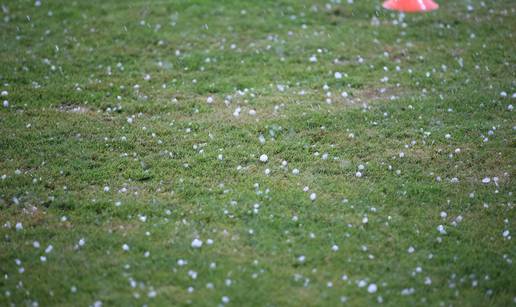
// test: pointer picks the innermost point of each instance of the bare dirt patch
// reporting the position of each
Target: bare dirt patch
(72, 108)
(369, 95)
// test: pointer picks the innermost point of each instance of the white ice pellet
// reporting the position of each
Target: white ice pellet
(264, 158)
(372, 288)
(196, 243)
(441, 229)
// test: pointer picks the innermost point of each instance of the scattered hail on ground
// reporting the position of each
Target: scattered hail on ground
(257, 153)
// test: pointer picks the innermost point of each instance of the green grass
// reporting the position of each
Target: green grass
(410, 80)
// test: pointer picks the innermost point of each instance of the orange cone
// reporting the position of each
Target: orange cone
(411, 6)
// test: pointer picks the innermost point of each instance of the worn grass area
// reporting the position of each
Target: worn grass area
(113, 160)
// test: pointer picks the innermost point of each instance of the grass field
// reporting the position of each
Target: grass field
(257, 153)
